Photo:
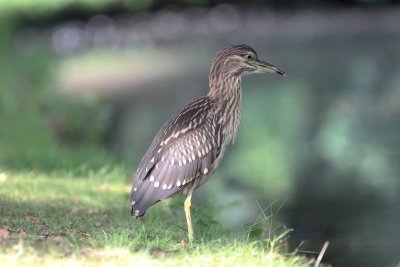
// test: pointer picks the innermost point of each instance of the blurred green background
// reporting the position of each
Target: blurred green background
(86, 81)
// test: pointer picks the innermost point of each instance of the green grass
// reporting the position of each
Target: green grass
(60, 218)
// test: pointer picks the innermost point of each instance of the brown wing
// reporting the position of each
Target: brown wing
(173, 161)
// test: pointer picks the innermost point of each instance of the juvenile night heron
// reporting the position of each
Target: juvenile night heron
(190, 146)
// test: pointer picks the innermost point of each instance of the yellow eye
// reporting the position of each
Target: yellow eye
(249, 57)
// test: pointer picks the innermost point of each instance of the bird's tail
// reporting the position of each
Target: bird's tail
(139, 204)
(145, 194)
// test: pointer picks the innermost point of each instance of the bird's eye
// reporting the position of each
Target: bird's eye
(249, 56)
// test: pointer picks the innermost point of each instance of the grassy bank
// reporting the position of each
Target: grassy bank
(64, 218)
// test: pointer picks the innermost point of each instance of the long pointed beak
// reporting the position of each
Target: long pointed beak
(264, 67)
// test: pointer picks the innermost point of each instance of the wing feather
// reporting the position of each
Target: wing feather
(177, 163)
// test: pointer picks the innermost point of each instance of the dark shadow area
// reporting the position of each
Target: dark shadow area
(65, 225)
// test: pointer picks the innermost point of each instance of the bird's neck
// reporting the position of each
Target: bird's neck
(226, 92)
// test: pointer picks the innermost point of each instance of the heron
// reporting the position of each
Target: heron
(191, 144)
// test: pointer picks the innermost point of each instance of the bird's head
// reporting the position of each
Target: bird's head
(241, 59)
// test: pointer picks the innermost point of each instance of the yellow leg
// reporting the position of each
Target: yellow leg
(187, 205)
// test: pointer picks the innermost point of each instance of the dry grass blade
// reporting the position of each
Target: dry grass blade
(321, 254)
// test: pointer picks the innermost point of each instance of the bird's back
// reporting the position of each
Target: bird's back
(182, 154)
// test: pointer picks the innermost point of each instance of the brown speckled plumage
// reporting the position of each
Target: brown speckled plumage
(190, 145)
